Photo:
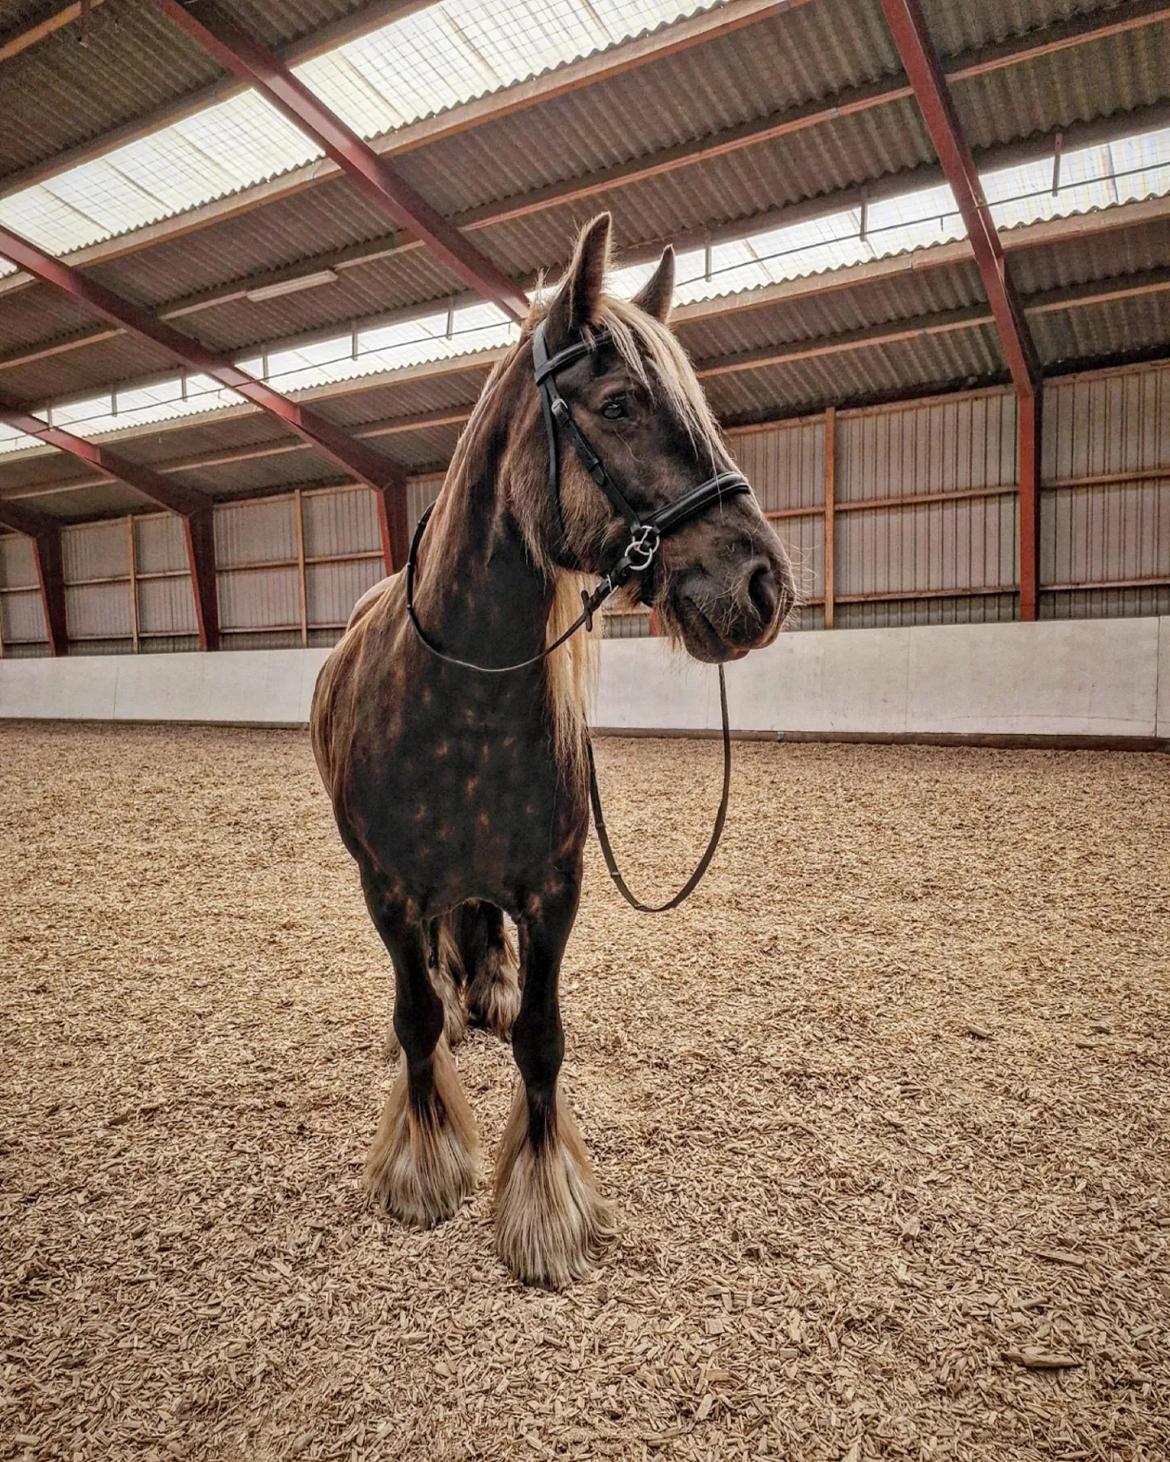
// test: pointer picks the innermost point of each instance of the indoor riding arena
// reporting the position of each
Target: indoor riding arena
(350, 1108)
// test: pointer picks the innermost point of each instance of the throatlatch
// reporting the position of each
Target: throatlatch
(646, 533)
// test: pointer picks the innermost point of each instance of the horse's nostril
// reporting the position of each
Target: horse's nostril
(764, 592)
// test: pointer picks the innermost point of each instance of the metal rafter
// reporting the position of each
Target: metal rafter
(920, 59)
(236, 50)
(25, 36)
(1050, 301)
(194, 508)
(362, 462)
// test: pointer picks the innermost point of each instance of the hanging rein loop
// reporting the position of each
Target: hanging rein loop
(645, 536)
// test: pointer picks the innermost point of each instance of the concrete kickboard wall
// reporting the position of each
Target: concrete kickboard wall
(1066, 678)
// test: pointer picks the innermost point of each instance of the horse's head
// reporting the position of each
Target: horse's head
(722, 582)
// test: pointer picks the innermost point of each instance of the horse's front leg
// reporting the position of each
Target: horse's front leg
(551, 1222)
(425, 1154)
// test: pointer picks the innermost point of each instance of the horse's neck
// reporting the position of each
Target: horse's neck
(479, 592)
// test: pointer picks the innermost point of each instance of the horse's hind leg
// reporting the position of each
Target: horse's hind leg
(551, 1222)
(425, 1155)
(489, 958)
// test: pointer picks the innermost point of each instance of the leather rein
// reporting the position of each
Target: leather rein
(645, 534)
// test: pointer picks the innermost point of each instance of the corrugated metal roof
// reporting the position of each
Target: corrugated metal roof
(934, 362)
(1095, 256)
(818, 317)
(58, 94)
(1095, 332)
(1099, 79)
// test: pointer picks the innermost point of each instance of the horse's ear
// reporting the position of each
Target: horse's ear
(577, 301)
(657, 294)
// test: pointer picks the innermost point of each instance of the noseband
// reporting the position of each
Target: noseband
(645, 534)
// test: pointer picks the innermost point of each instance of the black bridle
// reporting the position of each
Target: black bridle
(645, 534)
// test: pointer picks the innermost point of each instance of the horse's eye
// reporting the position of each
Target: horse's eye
(615, 408)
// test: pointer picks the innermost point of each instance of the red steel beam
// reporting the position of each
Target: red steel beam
(151, 484)
(45, 534)
(238, 53)
(362, 462)
(193, 506)
(199, 541)
(922, 66)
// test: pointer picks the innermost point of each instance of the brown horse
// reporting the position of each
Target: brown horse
(462, 795)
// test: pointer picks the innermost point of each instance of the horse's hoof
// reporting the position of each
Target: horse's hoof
(494, 999)
(424, 1161)
(552, 1225)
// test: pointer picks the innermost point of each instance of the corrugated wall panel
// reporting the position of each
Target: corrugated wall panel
(166, 606)
(332, 589)
(258, 531)
(1112, 423)
(961, 609)
(1101, 534)
(804, 538)
(22, 620)
(1106, 603)
(99, 611)
(96, 551)
(420, 494)
(1107, 426)
(18, 568)
(947, 445)
(959, 546)
(160, 545)
(258, 599)
(341, 520)
(784, 464)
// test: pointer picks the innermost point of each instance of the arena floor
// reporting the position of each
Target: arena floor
(883, 1110)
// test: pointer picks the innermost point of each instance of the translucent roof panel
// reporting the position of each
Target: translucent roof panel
(422, 63)
(1099, 177)
(451, 52)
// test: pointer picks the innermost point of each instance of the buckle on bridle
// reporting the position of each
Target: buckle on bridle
(643, 545)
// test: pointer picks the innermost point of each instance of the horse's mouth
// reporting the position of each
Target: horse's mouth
(702, 639)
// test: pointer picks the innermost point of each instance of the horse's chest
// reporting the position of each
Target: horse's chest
(465, 801)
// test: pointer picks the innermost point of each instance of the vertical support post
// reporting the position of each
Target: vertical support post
(51, 582)
(199, 533)
(302, 586)
(392, 525)
(132, 549)
(1028, 460)
(829, 546)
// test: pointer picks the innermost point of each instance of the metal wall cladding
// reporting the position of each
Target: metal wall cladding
(18, 569)
(264, 531)
(92, 553)
(1151, 599)
(99, 611)
(259, 599)
(784, 464)
(1101, 534)
(22, 617)
(1116, 529)
(965, 443)
(22, 620)
(96, 551)
(344, 520)
(159, 545)
(936, 547)
(961, 609)
(1112, 422)
(166, 607)
(941, 446)
(331, 590)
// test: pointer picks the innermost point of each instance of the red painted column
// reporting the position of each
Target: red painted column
(199, 534)
(1028, 456)
(51, 581)
(392, 527)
